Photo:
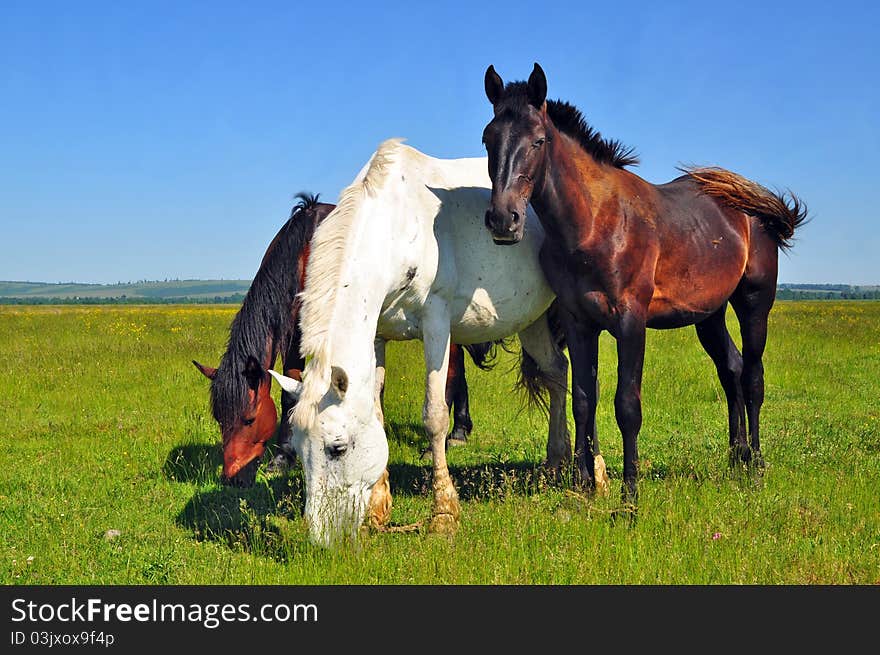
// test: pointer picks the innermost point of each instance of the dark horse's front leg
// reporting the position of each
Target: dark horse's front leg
(457, 396)
(630, 335)
(583, 349)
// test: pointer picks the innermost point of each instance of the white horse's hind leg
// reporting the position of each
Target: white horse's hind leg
(445, 510)
(537, 340)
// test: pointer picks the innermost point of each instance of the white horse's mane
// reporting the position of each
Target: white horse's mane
(328, 259)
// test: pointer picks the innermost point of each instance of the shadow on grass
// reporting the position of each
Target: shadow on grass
(245, 519)
(405, 433)
(475, 481)
(266, 519)
(198, 463)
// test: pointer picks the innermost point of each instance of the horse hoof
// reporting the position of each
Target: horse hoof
(458, 437)
(554, 471)
(379, 507)
(445, 524)
(757, 464)
(739, 455)
(627, 513)
(600, 476)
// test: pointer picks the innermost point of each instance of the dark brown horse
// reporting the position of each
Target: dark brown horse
(623, 254)
(267, 325)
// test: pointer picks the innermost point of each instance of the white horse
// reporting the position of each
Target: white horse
(405, 255)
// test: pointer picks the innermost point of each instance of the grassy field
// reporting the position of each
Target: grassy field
(105, 426)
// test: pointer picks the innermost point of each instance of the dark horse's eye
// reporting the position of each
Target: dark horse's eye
(248, 421)
(539, 142)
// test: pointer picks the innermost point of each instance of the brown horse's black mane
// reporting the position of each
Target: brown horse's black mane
(265, 320)
(568, 119)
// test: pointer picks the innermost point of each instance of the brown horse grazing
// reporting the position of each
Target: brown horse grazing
(623, 254)
(267, 324)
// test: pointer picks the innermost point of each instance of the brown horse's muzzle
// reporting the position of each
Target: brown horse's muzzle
(244, 476)
(506, 226)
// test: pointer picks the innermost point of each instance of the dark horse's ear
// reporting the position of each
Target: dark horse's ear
(207, 371)
(253, 372)
(494, 85)
(537, 87)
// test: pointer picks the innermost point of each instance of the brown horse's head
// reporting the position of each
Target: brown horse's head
(514, 141)
(246, 423)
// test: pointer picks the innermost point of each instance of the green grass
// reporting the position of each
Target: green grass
(105, 425)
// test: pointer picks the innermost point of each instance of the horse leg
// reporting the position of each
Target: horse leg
(716, 341)
(379, 395)
(552, 374)
(379, 507)
(628, 398)
(457, 396)
(445, 510)
(583, 350)
(752, 308)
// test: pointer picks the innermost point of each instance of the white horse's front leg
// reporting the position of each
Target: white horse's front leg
(445, 510)
(379, 509)
(379, 345)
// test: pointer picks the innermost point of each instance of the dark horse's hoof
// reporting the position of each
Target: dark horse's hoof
(739, 454)
(753, 459)
(627, 514)
(757, 464)
(458, 437)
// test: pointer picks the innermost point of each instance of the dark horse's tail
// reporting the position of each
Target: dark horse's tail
(534, 382)
(780, 215)
(485, 355)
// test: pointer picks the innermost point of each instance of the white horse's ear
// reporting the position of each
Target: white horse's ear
(291, 386)
(339, 381)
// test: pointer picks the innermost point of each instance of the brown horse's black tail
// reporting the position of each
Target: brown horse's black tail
(531, 380)
(780, 213)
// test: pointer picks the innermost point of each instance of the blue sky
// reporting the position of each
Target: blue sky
(167, 140)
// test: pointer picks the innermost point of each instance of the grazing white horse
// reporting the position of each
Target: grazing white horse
(405, 255)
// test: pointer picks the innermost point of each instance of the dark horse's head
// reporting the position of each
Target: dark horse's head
(514, 140)
(520, 144)
(264, 326)
(244, 427)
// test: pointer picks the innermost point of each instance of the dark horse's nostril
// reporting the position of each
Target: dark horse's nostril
(514, 220)
(337, 449)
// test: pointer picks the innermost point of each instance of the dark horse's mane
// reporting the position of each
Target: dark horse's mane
(266, 316)
(568, 119)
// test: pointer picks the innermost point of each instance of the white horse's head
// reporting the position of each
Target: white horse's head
(343, 449)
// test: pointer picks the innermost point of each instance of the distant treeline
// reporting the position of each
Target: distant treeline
(790, 294)
(827, 292)
(234, 299)
(783, 292)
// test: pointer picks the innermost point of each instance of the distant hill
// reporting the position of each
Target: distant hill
(233, 291)
(169, 291)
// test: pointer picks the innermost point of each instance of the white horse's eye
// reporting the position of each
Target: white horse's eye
(337, 449)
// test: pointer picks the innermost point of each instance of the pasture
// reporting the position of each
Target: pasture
(106, 425)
